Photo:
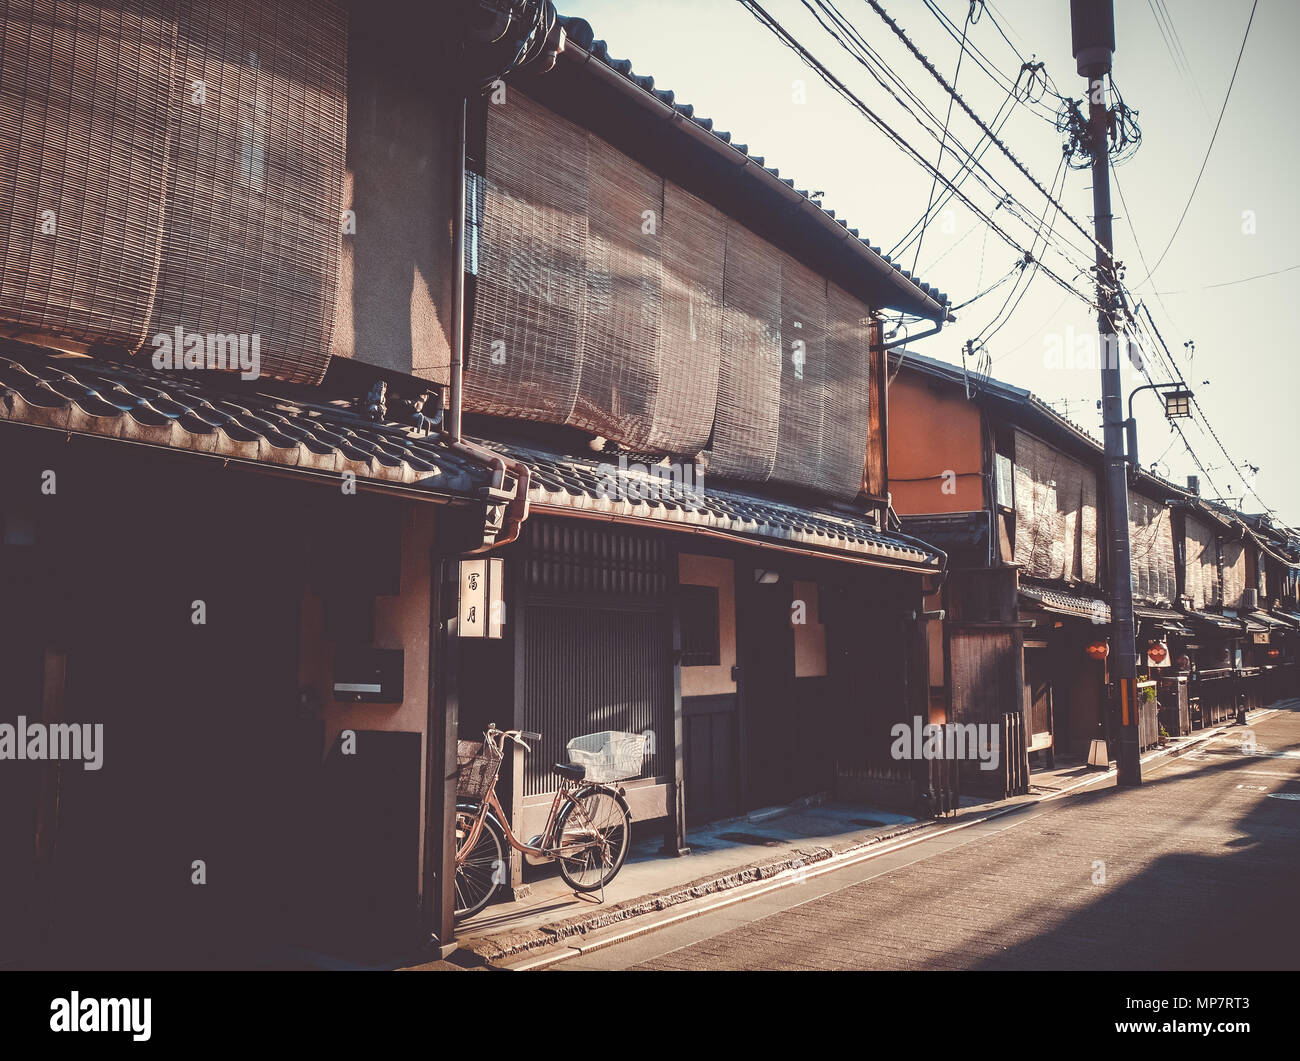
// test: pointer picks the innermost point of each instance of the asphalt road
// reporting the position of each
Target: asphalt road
(1199, 868)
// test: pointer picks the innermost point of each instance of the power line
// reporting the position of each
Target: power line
(1213, 136)
(1204, 421)
(1174, 36)
(1230, 283)
(916, 52)
(864, 54)
(1005, 314)
(835, 83)
(985, 63)
(943, 142)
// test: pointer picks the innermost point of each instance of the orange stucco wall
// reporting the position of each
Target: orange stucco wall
(809, 635)
(720, 572)
(932, 433)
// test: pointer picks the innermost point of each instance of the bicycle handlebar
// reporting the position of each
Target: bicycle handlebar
(519, 736)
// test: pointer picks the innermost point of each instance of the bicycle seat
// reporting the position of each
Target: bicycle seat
(573, 771)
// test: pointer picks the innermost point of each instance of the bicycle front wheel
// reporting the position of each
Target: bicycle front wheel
(599, 820)
(481, 869)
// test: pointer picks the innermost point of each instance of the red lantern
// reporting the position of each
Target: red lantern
(1273, 653)
(1099, 650)
(1157, 652)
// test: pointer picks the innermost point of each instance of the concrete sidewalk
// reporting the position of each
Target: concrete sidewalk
(723, 855)
(760, 846)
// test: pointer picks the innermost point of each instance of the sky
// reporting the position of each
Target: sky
(1244, 220)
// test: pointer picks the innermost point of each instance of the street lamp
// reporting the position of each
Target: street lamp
(1178, 405)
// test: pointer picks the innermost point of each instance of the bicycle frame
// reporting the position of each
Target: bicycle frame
(550, 848)
(551, 845)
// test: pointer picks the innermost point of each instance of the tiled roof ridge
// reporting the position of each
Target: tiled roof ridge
(134, 402)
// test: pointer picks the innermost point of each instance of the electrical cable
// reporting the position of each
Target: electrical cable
(1213, 136)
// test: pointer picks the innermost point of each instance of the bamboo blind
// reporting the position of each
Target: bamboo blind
(1151, 550)
(1234, 573)
(192, 153)
(1056, 513)
(1202, 564)
(530, 298)
(609, 299)
(850, 397)
(252, 237)
(621, 374)
(749, 372)
(802, 376)
(84, 97)
(694, 247)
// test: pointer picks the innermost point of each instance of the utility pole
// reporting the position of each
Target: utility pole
(1092, 25)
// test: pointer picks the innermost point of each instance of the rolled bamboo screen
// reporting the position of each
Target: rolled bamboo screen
(1151, 536)
(610, 299)
(803, 376)
(192, 154)
(848, 395)
(252, 237)
(1234, 573)
(694, 247)
(749, 362)
(530, 297)
(621, 374)
(1202, 564)
(85, 91)
(1056, 513)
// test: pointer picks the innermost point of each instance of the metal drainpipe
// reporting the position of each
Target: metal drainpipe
(518, 505)
(458, 281)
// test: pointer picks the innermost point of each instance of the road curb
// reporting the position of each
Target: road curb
(500, 946)
(503, 946)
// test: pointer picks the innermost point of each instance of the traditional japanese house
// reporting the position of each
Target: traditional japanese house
(1008, 488)
(684, 350)
(222, 541)
(1278, 608)
(1162, 629)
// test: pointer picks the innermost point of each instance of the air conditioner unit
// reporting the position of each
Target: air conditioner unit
(1250, 600)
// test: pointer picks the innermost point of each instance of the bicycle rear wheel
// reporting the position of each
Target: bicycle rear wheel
(600, 820)
(481, 870)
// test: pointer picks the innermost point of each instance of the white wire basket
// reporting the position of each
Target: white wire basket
(609, 755)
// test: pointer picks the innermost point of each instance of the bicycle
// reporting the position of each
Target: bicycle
(587, 831)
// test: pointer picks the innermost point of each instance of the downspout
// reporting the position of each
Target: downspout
(938, 325)
(517, 510)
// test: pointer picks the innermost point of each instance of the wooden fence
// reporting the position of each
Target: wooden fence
(1148, 716)
(1014, 765)
(1175, 709)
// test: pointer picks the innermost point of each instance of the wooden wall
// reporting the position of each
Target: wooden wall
(933, 431)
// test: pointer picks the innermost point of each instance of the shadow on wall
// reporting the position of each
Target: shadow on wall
(396, 284)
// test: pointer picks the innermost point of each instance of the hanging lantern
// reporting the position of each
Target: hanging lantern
(1098, 650)
(1157, 652)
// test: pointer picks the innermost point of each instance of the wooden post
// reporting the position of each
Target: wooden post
(675, 833)
(441, 733)
(515, 764)
(46, 829)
